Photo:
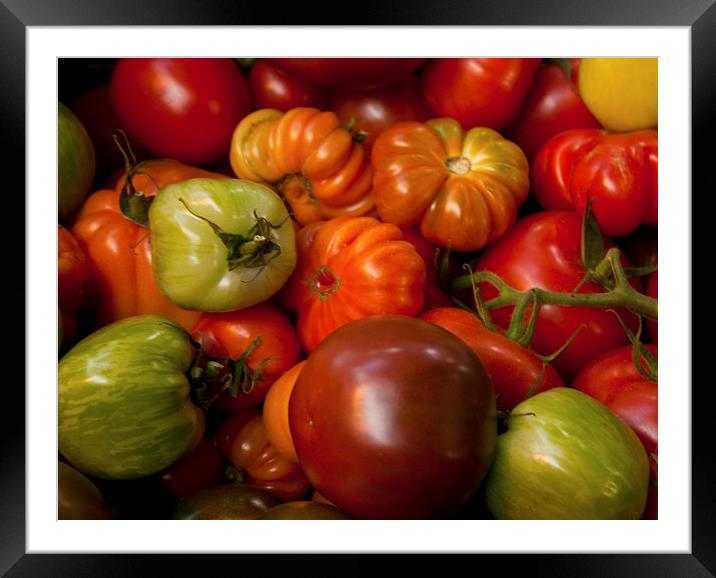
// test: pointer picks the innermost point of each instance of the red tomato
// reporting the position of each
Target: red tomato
(652, 290)
(198, 470)
(232, 334)
(394, 417)
(180, 108)
(271, 88)
(552, 105)
(544, 250)
(516, 372)
(552, 167)
(615, 381)
(435, 296)
(373, 110)
(478, 92)
(73, 277)
(349, 268)
(617, 172)
(347, 73)
(242, 440)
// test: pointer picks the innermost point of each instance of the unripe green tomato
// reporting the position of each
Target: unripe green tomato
(76, 162)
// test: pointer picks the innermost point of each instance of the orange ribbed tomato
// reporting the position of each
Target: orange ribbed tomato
(119, 251)
(461, 188)
(309, 158)
(349, 268)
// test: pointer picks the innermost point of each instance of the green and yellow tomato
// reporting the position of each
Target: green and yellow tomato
(76, 162)
(567, 456)
(220, 244)
(124, 399)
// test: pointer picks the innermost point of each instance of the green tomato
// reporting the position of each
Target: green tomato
(225, 502)
(76, 162)
(220, 244)
(567, 456)
(124, 399)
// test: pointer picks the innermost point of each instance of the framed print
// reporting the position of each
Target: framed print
(61, 52)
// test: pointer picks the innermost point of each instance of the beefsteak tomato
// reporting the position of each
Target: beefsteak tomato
(463, 189)
(309, 158)
(348, 268)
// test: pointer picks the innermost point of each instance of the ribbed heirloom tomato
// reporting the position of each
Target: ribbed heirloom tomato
(394, 417)
(462, 188)
(309, 158)
(348, 268)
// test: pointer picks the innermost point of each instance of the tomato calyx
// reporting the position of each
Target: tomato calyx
(254, 249)
(211, 377)
(644, 360)
(133, 204)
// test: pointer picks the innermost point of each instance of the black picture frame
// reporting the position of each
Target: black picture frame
(17, 15)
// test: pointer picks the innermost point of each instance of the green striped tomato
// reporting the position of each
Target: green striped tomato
(567, 456)
(76, 162)
(124, 399)
(220, 244)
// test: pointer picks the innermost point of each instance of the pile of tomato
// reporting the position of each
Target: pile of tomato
(359, 289)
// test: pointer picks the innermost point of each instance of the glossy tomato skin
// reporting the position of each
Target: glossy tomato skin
(478, 92)
(394, 417)
(76, 163)
(242, 440)
(192, 264)
(374, 110)
(435, 295)
(78, 498)
(551, 169)
(348, 73)
(275, 412)
(233, 334)
(180, 108)
(543, 250)
(567, 456)
(515, 371)
(119, 250)
(349, 268)
(73, 280)
(552, 105)
(271, 88)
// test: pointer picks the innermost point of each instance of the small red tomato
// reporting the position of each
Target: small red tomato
(180, 108)
(516, 372)
(271, 88)
(242, 440)
(478, 92)
(264, 335)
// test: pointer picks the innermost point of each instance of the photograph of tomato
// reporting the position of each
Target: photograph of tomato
(358, 288)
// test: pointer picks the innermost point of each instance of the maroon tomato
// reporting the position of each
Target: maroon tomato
(347, 73)
(552, 105)
(243, 441)
(484, 92)
(614, 380)
(552, 167)
(198, 470)
(394, 417)
(544, 250)
(271, 88)
(372, 111)
(264, 336)
(516, 372)
(180, 108)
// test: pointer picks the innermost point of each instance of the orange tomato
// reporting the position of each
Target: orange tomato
(275, 412)
(349, 268)
(308, 158)
(463, 189)
(72, 280)
(118, 249)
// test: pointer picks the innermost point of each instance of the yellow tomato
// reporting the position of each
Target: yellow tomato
(622, 93)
